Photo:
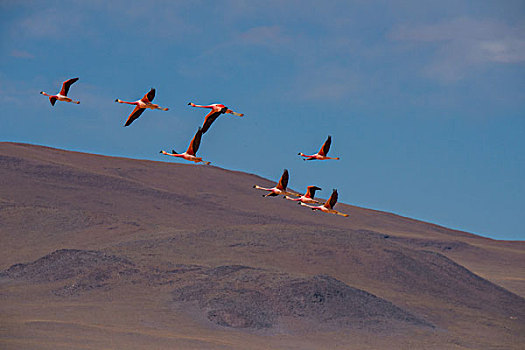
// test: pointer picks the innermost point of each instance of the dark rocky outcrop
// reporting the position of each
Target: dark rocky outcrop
(244, 297)
(232, 295)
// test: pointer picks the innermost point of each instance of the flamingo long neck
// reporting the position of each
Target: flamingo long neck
(46, 94)
(127, 102)
(201, 106)
(306, 155)
(174, 154)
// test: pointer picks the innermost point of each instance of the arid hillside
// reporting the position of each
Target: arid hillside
(104, 252)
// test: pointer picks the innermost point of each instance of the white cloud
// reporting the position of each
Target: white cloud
(463, 43)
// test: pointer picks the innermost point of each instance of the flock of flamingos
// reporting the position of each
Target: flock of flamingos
(191, 153)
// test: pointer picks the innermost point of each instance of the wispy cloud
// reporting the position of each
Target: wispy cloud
(48, 24)
(265, 36)
(326, 82)
(77, 19)
(21, 54)
(463, 43)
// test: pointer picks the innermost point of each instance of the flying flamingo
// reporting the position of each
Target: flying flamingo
(308, 197)
(279, 189)
(328, 207)
(190, 154)
(322, 154)
(216, 110)
(62, 95)
(141, 106)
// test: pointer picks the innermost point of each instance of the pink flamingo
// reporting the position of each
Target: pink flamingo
(141, 106)
(308, 197)
(322, 154)
(216, 110)
(62, 95)
(279, 189)
(328, 207)
(190, 154)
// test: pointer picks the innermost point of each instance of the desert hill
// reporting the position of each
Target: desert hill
(101, 251)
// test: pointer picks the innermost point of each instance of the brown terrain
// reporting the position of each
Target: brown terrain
(101, 252)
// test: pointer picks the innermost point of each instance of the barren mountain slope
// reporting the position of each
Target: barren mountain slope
(144, 252)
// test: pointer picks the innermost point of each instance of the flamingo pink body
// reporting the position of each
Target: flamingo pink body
(308, 197)
(327, 207)
(62, 95)
(303, 199)
(141, 106)
(186, 156)
(190, 154)
(216, 110)
(279, 189)
(322, 154)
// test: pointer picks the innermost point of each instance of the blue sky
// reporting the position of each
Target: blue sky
(425, 101)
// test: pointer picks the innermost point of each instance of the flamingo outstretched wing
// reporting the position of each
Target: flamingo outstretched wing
(195, 143)
(332, 200)
(134, 115)
(66, 85)
(149, 96)
(283, 182)
(326, 146)
(52, 100)
(209, 119)
(310, 191)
